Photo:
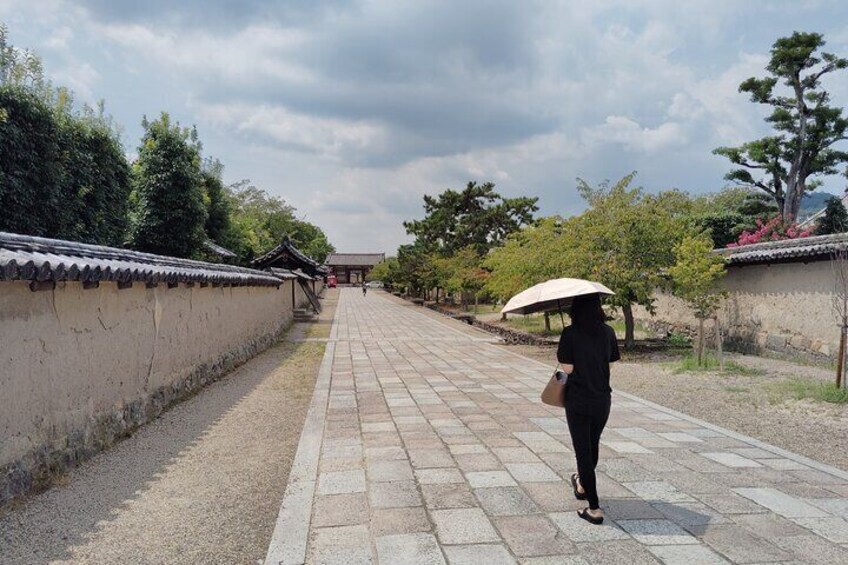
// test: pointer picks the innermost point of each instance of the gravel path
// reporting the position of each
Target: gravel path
(201, 484)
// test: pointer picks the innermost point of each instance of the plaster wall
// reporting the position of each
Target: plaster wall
(784, 308)
(79, 368)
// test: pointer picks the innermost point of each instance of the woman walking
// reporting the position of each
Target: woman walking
(586, 349)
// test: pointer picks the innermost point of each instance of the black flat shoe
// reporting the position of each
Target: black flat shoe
(577, 494)
(589, 518)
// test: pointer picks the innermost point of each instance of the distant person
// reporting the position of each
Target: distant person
(586, 349)
(364, 288)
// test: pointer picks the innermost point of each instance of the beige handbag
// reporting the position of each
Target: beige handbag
(554, 393)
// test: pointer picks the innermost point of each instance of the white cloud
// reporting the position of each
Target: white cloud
(634, 137)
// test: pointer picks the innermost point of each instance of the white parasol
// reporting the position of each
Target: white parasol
(552, 295)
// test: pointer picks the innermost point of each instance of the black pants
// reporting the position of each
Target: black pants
(586, 427)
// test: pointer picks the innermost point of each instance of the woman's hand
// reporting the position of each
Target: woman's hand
(566, 368)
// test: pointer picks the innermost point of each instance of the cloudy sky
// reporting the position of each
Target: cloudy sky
(352, 111)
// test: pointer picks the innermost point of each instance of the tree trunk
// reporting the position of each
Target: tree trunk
(476, 301)
(629, 339)
(840, 363)
(547, 322)
(503, 317)
(700, 342)
(719, 345)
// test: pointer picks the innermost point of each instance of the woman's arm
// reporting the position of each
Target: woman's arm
(565, 351)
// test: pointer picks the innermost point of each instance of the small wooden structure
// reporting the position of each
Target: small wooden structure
(352, 268)
(287, 261)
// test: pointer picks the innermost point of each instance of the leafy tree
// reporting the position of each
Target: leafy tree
(170, 212)
(18, 67)
(726, 214)
(695, 275)
(476, 216)
(835, 219)
(384, 271)
(217, 202)
(807, 126)
(259, 222)
(31, 171)
(625, 240)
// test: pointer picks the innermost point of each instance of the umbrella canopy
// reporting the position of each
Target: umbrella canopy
(551, 295)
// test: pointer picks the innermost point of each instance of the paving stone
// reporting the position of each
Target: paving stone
(468, 448)
(626, 447)
(617, 552)
(463, 526)
(484, 479)
(426, 458)
(578, 530)
(383, 471)
(730, 503)
(657, 532)
(780, 503)
(402, 549)
(532, 473)
(731, 460)
(769, 526)
(341, 482)
(393, 495)
(831, 528)
(742, 547)
(505, 501)
(836, 506)
(344, 545)
(448, 496)
(478, 554)
(478, 462)
(680, 437)
(515, 455)
(814, 549)
(529, 536)
(391, 453)
(628, 509)
(555, 560)
(691, 514)
(386, 521)
(438, 476)
(553, 497)
(657, 491)
(687, 555)
(340, 510)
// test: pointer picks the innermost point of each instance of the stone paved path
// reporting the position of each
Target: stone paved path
(425, 444)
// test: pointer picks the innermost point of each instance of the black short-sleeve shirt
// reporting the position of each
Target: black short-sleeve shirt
(590, 353)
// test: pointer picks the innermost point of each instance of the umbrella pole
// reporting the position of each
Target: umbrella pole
(561, 319)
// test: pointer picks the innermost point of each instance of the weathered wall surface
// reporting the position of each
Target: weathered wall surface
(783, 308)
(80, 368)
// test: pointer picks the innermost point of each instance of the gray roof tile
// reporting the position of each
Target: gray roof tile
(787, 250)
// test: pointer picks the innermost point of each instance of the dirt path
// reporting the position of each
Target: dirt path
(201, 484)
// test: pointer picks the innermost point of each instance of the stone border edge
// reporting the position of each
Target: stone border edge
(289, 542)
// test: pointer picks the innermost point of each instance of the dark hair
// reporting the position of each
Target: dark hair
(586, 313)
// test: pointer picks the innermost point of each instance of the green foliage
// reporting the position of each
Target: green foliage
(31, 195)
(169, 213)
(835, 219)
(476, 216)
(798, 389)
(696, 273)
(462, 272)
(785, 165)
(259, 222)
(711, 363)
(384, 271)
(726, 214)
(217, 202)
(18, 67)
(676, 339)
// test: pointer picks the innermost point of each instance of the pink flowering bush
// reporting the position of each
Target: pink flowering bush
(773, 230)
